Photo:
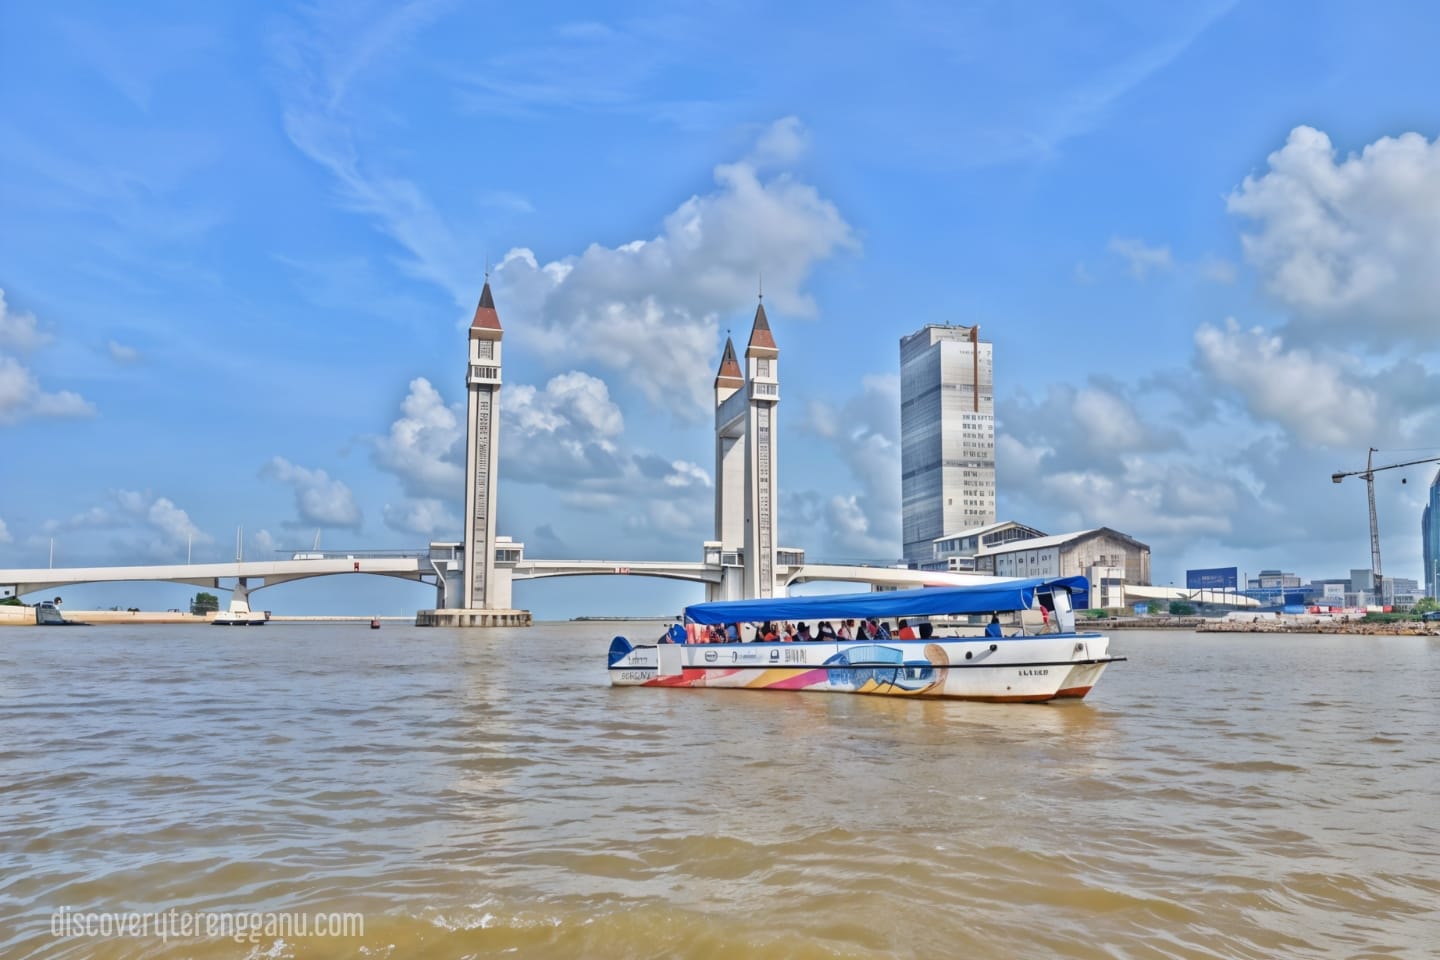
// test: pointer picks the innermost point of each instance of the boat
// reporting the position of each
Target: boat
(374, 623)
(239, 614)
(1055, 663)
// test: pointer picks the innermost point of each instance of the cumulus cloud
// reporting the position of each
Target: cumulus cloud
(264, 544)
(863, 435)
(425, 447)
(426, 516)
(1311, 397)
(320, 500)
(649, 310)
(1093, 426)
(149, 526)
(19, 331)
(1142, 258)
(567, 435)
(21, 395)
(1351, 245)
(783, 142)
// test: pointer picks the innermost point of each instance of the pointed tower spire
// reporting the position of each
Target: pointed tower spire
(760, 336)
(485, 316)
(729, 375)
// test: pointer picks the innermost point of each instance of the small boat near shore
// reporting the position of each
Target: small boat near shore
(989, 666)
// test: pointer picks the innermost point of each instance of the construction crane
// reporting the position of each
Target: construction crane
(1369, 474)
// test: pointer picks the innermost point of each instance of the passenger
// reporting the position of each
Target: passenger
(732, 633)
(827, 632)
(992, 629)
(846, 631)
(906, 632)
(927, 630)
(881, 631)
(768, 632)
(802, 633)
(787, 635)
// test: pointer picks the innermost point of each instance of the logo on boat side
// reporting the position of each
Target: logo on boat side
(710, 656)
(1034, 673)
(774, 656)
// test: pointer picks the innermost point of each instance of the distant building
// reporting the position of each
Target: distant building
(1430, 539)
(1403, 591)
(947, 436)
(958, 552)
(1107, 558)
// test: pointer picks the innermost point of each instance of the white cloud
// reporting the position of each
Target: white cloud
(19, 332)
(427, 516)
(649, 310)
(1141, 257)
(1309, 396)
(264, 544)
(425, 447)
(120, 353)
(21, 396)
(320, 501)
(782, 143)
(1353, 246)
(863, 435)
(20, 392)
(686, 474)
(151, 526)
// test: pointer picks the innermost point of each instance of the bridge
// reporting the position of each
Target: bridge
(246, 576)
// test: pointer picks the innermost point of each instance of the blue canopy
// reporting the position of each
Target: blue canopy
(925, 601)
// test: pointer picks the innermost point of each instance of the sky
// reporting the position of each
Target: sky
(240, 245)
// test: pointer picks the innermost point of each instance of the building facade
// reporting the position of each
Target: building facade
(1107, 558)
(947, 436)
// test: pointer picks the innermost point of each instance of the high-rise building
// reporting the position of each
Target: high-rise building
(1430, 539)
(947, 435)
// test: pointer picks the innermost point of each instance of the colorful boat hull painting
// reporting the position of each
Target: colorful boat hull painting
(1032, 668)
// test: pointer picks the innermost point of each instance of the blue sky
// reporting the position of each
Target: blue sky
(239, 244)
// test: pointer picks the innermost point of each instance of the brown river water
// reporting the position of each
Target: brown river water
(486, 793)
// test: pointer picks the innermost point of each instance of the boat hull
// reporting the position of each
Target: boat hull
(1009, 669)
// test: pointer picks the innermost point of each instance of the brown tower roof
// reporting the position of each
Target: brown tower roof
(760, 336)
(485, 316)
(729, 375)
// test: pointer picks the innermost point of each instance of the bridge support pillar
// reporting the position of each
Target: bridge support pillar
(472, 618)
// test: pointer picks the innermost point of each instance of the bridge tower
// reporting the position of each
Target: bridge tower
(745, 465)
(482, 591)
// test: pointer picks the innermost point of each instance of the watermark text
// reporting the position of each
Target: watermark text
(241, 927)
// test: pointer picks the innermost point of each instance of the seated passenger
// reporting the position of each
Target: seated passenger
(826, 632)
(927, 630)
(802, 633)
(992, 629)
(906, 632)
(846, 631)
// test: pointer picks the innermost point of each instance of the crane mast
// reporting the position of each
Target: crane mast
(1374, 526)
(1368, 474)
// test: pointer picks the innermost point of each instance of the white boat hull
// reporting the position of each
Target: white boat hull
(1006, 669)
